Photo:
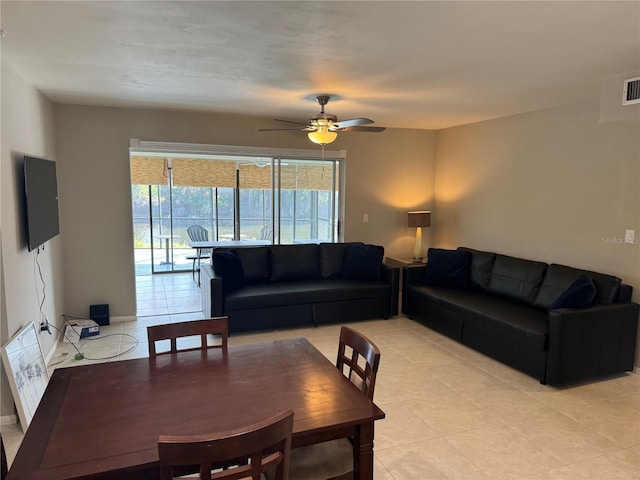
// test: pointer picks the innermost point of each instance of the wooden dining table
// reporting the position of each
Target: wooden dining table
(102, 421)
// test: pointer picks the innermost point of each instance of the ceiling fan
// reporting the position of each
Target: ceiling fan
(322, 128)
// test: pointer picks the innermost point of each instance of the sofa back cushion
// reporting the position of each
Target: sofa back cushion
(481, 268)
(362, 262)
(294, 262)
(331, 257)
(228, 265)
(447, 268)
(559, 277)
(516, 279)
(255, 262)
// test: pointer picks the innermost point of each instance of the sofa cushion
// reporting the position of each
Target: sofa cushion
(331, 258)
(294, 262)
(303, 292)
(447, 268)
(559, 277)
(520, 322)
(481, 267)
(516, 279)
(580, 294)
(362, 262)
(227, 264)
(255, 262)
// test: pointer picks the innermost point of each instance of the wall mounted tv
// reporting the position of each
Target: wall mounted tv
(41, 193)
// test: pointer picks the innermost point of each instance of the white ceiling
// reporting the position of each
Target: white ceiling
(404, 64)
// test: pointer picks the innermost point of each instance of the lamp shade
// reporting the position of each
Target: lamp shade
(420, 218)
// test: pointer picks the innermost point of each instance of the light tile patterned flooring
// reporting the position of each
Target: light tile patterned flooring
(452, 413)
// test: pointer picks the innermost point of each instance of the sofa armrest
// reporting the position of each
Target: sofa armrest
(391, 276)
(413, 274)
(212, 296)
(591, 342)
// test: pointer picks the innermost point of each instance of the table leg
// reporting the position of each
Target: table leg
(198, 254)
(363, 453)
(166, 252)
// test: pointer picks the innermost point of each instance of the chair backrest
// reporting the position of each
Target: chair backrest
(245, 452)
(198, 233)
(266, 233)
(194, 328)
(358, 359)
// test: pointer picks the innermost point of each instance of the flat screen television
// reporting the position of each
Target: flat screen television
(41, 193)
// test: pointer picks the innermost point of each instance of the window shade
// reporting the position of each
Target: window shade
(189, 172)
(306, 177)
(254, 177)
(149, 171)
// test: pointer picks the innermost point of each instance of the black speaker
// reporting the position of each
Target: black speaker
(99, 314)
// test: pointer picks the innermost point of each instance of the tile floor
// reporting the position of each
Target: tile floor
(452, 413)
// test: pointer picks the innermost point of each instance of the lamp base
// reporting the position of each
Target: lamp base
(418, 255)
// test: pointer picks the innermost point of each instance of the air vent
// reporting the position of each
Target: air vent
(631, 92)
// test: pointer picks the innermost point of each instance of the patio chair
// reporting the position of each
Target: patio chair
(198, 233)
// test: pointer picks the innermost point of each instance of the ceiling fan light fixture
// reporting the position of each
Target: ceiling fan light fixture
(322, 136)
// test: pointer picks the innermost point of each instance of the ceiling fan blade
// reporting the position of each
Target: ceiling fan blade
(289, 121)
(279, 129)
(352, 123)
(362, 129)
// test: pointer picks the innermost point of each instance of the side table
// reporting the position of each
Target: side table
(403, 262)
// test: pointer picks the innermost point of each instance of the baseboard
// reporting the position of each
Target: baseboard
(128, 318)
(52, 352)
(8, 420)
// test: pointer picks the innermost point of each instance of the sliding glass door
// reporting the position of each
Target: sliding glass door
(233, 198)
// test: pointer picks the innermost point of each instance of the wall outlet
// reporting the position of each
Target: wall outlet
(365, 218)
(630, 236)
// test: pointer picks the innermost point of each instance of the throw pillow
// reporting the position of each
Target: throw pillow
(362, 262)
(448, 268)
(227, 264)
(579, 294)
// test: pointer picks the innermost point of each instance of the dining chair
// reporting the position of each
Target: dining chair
(193, 328)
(244, 452)
(358, 360)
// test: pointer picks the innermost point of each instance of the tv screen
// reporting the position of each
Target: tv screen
(41, 191)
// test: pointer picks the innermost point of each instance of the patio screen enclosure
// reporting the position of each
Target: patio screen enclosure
(276, 196)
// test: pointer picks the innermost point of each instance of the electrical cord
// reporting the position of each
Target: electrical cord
(46, 326)
(44, 321)
(79, 355)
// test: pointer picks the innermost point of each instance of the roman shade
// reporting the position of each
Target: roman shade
(193, 172)
(149, 171)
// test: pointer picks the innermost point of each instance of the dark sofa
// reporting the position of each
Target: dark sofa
(299, 285)
(559, 324)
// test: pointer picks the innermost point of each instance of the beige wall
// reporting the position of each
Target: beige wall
(27, 128)
(557, 185)
(387, 173)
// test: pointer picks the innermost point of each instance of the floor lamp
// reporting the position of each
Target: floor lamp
(419, 219)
